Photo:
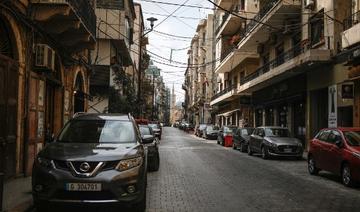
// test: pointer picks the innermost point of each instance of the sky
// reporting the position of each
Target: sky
(184, 25)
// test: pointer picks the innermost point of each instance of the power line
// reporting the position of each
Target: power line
(171, 13)
(176, 4)
(183, 17)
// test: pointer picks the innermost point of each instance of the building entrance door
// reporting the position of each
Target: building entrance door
(8, 115)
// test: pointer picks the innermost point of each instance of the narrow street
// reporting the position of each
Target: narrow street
(199, 175)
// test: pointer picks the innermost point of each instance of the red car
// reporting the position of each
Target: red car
(338, 151)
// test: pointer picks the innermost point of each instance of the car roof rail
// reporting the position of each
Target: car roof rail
(77, 114)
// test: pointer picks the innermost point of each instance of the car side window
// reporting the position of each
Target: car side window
(334, 136)
(255, 132)
(324, 135)
(261, 132)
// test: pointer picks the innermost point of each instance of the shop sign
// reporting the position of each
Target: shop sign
(332, 118)
(347, 91)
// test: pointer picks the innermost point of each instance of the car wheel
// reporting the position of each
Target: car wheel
(264, 153)
(234, 146)
(312, 166)
(346, 175)
(217, 140)
(249, 151)
(155, 164)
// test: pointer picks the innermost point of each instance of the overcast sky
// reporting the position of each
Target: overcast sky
(181, 26)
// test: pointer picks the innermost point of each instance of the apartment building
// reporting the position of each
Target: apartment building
(45, 69)
(298, 77)
(199, 74)
(113, 65)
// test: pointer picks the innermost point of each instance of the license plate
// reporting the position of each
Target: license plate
(83, 186)
(287, 150)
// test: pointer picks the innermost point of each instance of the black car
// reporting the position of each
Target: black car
(241, 138)
(210, 132)
(96, 159)
(156, 128)
(274, 141)
(153, 149)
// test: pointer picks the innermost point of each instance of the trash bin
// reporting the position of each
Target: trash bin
(1, 190)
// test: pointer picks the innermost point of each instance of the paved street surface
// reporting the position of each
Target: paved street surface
(198, 175)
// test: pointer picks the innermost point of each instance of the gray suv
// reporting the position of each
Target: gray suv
(97, 159)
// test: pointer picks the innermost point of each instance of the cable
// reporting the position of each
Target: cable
(183, 17)
(176, 4)
(171, 14)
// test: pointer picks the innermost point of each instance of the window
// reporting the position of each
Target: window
(277, 132)
(334, 136)
(324, 135)
(98, 131)
(317, 28)
(242, 5)
(353, 138)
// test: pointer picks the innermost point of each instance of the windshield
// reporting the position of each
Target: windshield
(144, 130)
(212, 128)
(202, 126)
(229, 129)
(277, 132)
(154, 126)
(352, 138)
(246, 131)
(98, 131)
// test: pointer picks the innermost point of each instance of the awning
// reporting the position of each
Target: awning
(229, 113)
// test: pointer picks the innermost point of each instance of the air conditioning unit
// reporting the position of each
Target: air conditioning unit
(44, 57)
(260, 48)
(309, 4)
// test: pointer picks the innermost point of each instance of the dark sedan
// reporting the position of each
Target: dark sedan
(274, 141)
(241, 138)
(210, 132)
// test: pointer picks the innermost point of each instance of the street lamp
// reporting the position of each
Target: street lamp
(152, 21)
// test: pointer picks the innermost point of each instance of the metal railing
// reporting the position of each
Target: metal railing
(257, 18)
(351, 20)
(110, 4)
(226, 90)
(279, 60)
(82, 8)
(224, 19)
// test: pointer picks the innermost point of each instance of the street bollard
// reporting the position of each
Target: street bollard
(1, 190)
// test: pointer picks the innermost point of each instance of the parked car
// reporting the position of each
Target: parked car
(156, 129)
(337, 151)
(199, 130)
(188, 127)
(274, 141)
(210, 132)
(96, 158)
(241, 138)
(225, 135)
(153, 149)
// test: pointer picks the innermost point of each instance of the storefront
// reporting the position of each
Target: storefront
(282, 104)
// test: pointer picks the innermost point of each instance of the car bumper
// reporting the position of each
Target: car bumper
(211, 136)
(275, 152)
(114, 186)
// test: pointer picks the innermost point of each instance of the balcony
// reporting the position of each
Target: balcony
(229, 24)
(232, 58)
(292, 62)
(226, 4)
(351, 34)
(273, 13)
(227, 94)
(71, 22)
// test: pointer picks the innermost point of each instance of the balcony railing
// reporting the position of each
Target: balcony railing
(279, 60)
(224, 19)
(352, 20)
(110, 4)
(263, 11)
(228, 89)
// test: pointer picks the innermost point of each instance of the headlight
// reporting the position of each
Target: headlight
(45, 162)
(356, 154)
(271, 144)
(129, 164)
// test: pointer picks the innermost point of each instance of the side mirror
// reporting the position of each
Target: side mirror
(50, 139)
(147, 139)
(338, 143)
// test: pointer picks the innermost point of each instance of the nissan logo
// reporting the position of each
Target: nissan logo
(84, 167)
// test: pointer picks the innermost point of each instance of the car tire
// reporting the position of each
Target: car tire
(234, 146)
(346, 177)
(313, 170)
(264, 153)
(249, 151)
(217, 140)
(155, 164)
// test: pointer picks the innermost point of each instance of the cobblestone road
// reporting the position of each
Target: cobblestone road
(198, 175)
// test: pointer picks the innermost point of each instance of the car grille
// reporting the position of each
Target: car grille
(84, 195)
(293, 148)
(63, 165)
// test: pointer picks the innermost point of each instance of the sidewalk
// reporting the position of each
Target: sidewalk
(17, 195)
